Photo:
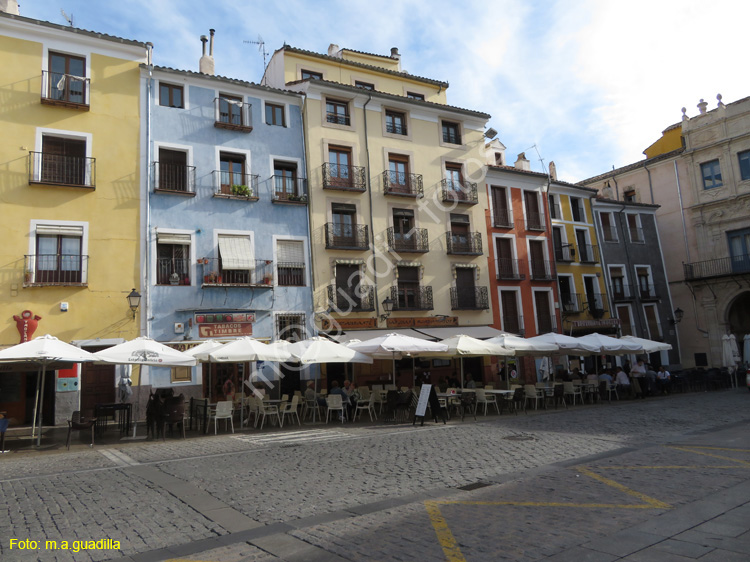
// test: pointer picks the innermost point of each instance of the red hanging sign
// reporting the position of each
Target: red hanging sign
(27, 324)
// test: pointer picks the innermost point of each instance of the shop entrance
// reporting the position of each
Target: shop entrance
(97, 383)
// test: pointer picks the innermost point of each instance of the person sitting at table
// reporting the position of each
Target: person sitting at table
(442, 385)
(310, 391)
(336, 389)
(606, 376)
(623, 382)
(575, 374)
(663, 380)
(650, 380)
(470, 382)
(453, 381)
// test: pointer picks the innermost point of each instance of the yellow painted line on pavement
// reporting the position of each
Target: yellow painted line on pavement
(445, 537)
(716, 448)
(722, 457)
(653, 502)
(672, 467)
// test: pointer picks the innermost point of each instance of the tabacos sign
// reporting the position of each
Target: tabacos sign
(224, 324)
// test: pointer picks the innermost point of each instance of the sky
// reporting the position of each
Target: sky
(588, 84)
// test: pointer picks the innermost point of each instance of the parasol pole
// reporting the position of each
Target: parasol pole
(36, 404)
(41, 404)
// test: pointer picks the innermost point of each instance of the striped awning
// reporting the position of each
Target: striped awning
(349, 262)
(465, 265)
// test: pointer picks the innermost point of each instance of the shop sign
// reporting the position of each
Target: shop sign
(224, 324)
(349, 323)
(606, 323)
(430, 322)
(26, 324)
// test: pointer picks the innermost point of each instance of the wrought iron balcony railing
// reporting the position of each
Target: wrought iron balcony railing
(540, 270)
(622, 291)
(571, 303)
(289, 190)
(510, 270)
(416, 240)
(347, 178)
(54, 169)
(172, 271)
(232, 114)
(291, 274)
(546, 324)
(259, 274)
(55, 269)
(356, 299)
(338, 118)
(65, 89)
(555, 212)
(347, 236)
(502, 218)
(469, 298)
(720, 267)
(173, 177)
(459, 192)
(636, 235)
(565, 253)
(535, 221)
(405, 185)
(469, 244)
(236, 185)
(594, 303)
(411, 298)
(513, 323)
(648, 292)
(588, 253)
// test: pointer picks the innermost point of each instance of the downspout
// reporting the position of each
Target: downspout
(624, 228)
(605, 269)
(145, 319)
(303, 116)
(551, 249)
(372, 223)
(650, 185)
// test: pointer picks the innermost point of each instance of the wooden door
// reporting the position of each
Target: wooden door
(544, 322)
(97, 383)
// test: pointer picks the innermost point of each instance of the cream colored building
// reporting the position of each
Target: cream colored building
(396, 214)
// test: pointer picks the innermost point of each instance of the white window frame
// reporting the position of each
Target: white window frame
(513, 249)
(508, 201)
(461, 132)
(626, 287)
(572, 279)
(219, 232)
(584, 218)
(247, 114)
(263, 103)
(543, 215)
(519, 305)
(275, 239)
(157, 97)
(639, 226)
(630, 316)
(658, 320)
(612, 226)
(33, 223)
(597, 286)
(62, 133)
(247, 154)
(64, 49)
(154, 254)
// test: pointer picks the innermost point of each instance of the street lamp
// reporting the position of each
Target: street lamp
(387, 308)
(134, 300)
(677, 318)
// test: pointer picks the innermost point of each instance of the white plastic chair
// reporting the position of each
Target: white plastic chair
(291, 409)
(335, 404)
(573, 390)
(224, 412)
(368, 406)
(264, 410)
(531, 392)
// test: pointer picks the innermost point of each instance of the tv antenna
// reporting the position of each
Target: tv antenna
(68, 18)
(261, 48)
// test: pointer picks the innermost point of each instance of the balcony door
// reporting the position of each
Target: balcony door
(172, 169)
(63, 160)
(408, 287)
(505, 263)
(533, 216)
(58, 259)
(538, 264)
(398, 170)
(501, 217)
(465, 287)
(561, 253)
(67, 75)
(453, 176)
(583, 247)
(593, 296)
(403, 229)
(347, 287)
(511, 319)
(232, 172)
(544, 323)
(344, 224)
(567, 294)
(739, 250)
(339, 160)
(460, 237)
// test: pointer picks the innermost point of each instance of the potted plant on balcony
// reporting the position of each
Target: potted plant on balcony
(210, 277)
(242, 190)
(28, 276)
(174, 279)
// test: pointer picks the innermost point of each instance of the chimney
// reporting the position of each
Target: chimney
(206, 63)
(333, 50)
(522, 163)
(702, 105)
(395, 54)
(9, 7)
(553, 171)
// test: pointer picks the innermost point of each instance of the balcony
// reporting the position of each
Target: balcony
(233, 115)
(461, 192)
(65, 90)
(535, 221)
(338, 118)
(502, 218)
(47, 270)
(509, 270)
(344, 178)
(469, 244)
(356, 299)
(588, 253)
(408, 298)
(720, 267)
(214, 275)
(513, 323)
(347, 236)
(173, 178)
(541, 270)
(571, 303)
(636, 235)
(234, 185)
(622, 291)
(546, 324)
(286, 190)
(172, 271)
(555, 212)
(68, 171)
(469, 298)
(648, 292)
(415, 241)
(565, 253)
(594, 303)
(401, 184)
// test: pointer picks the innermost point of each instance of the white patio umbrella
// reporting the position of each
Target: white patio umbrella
(43, 351)
(248, 349)
(518, 346)
(465, 346)
(391, 345)
(729, 353)
(607, 344)
(649, 346)
(567, 344)
(201, 351)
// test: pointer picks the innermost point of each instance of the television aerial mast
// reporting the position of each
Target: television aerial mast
(261, 48)
(68, 18)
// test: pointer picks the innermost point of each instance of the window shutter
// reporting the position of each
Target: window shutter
(169, 238)
(59, 230)
(236, 253)
(290, 251)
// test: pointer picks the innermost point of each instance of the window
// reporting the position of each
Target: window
(408, 287)
(172, 259)
(415, 96)
(451, 132)
(460, 235)
(568, 296)
(285, 181)
(626, 323)
(58, 256)
(608, 228)
(64, 161)
(454, 176)
(337, 112)
(554, 211)
(498, 158)
(399, 179)
(290, 263)
(170, 95)
(344, 218)
(744, 159)
(634, 228)
(275, 115)
(348, 287)
(364, 85)
(236, 259)
(290, 327)
(232, 172)
(629, 195)
(465, 289)
(230, 110)
(593, 296)
(404, 234)
(311, 74)
(500, 212)
(711, 172)
(538, 266)
(739, 250)
(172, 171)
(617, 276)
(563, 251)
(585, 250)
(534, 218)
(576, 206)
(339, 167)
(67, 78)
(507, 266)
(512, 321)
(545, 321)
(652, 321)
(395, 122)
(646, 288)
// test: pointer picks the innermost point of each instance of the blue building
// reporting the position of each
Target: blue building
(225, 219)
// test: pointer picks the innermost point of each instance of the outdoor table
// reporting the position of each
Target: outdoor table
(102, 413)
(199, 413)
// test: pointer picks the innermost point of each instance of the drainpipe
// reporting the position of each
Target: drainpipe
(624, 227)
(551, 250)
(650, 185)
(146, 287)
(303, 114)
(372, 224)
(605, 269)
(682, 211)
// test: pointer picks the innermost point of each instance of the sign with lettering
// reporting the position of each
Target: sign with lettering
(429, 322)
(26, 324)
(605, 323)
(349, 323)
(224, 324)
(424, 398)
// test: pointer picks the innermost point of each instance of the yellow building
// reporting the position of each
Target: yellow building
(396, 216)
(70, 199)
(583, 301)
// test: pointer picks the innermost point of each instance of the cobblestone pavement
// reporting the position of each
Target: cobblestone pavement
(381, 492)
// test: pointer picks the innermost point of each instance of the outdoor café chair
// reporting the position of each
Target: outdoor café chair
(77, 422)
(531, 392)
(224, 412)
(335, 404)
(367, 406)
(290, 409)
(264, 410)
(572, 390)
